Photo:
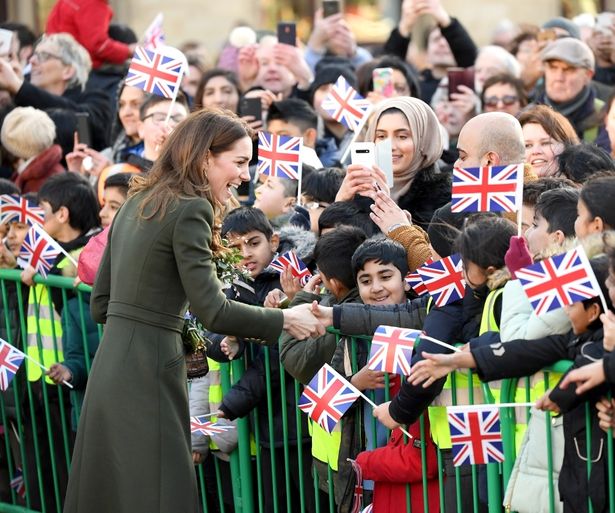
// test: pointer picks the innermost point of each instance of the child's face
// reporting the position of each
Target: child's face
(580, 317)
(113, 199)
(17, 234)
(585, 224)
(53, 223)
(527, 216)
(538, 235)
(381, 284)
(271, 197)
(474, 275)
(257, 252)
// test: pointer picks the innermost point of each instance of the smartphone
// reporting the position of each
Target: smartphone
(330, 7)
(251, 107)
(83, 128)
(363, 153)
(384, 159)
(287, 33)
(457, 77)
(284, 301)
(383, 81)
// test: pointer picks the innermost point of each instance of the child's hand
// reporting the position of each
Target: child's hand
(27, 276)
(586, 377)
(274, 298)
(368, 379)
(313, 284)
(7, 259)
(324, 313)
(230, 347)
(290, 284)
(434, 367)
(606, 413)
(58, 373)
(381, 412)
(546, 404)
(608, 323)
(197, 458)
(518, 255)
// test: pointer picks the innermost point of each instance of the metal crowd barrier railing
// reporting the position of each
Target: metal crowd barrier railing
(38, 431)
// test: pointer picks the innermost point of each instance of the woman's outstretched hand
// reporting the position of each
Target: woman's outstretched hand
(301, 323)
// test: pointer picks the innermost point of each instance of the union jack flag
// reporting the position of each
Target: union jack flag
(291, 261)
(358, 487)
(205, 427)
(157, 71)
(475, 434)
(391, 350)
(154, 34)
(559, 281)
(18, 484)
(444, 279)
(38, 250)
(20, 210)
(345, 105)
(415, 282)
(10, 361)
(487, 189)
(327, 397)
(278, 155)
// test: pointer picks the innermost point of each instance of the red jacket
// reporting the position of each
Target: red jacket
(88, 22)
(43, 166)
(398, 463)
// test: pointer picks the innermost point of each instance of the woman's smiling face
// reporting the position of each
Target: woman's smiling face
(394, 125)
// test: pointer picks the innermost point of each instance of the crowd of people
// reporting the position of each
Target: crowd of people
(169, 186)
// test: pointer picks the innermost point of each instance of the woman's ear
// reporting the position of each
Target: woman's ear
(598, 224)
(490, 270)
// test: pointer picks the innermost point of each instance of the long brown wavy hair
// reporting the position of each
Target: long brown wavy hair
(181, 169)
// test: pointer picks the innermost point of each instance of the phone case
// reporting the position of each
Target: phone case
(383, 81)
(287, 33)
(251, 107)
(363, 153)
(330, 7)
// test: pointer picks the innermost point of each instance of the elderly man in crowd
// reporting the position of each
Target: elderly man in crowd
(60, 68)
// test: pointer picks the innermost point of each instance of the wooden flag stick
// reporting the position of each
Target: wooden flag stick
(374, 405)
(440, 343)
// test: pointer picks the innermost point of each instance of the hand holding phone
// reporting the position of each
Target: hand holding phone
(251, 107)
(457, 77)
(83, 128)
(287, 33)
(330, 7)
(383, 82)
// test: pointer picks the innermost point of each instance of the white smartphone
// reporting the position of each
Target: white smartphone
(363, 153)
(384, 159)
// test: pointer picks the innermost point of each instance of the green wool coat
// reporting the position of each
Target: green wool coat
(132, 453)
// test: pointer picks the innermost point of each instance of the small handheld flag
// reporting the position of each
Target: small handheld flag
(17, 483)
(345, 105)
(327, 397)
(391, 350)
(415, 282)
(20, 210)
(290, 260)
(559, 281)
(279, 155)
(357, 501)
(38, 250)
(475, 434)
(154, 34)
(11, 359)
(487, 189)
(444, 279)
(158, 71)
(205, 427)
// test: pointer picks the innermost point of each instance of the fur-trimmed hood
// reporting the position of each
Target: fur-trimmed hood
(302, 241)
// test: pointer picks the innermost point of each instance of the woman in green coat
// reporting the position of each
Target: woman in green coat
(132, 452)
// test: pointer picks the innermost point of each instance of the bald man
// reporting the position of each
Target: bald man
(491, 139)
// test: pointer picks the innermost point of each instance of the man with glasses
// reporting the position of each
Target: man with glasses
(158, 116)
(59, 70)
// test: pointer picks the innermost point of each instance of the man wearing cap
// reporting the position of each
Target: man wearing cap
(569, 67)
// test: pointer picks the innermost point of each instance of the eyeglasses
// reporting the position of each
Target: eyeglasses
(43, 56)
(508, 100)
(158, 118)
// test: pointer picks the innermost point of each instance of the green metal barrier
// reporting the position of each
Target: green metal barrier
(35, 419)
